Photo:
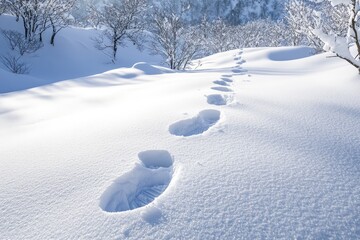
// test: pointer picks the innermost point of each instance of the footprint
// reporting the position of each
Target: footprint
(222, 89)
(196, 125)
(227, 80)
(227, 76)
(142, 185)
(221, 83)
(219, 100)
(239, 70)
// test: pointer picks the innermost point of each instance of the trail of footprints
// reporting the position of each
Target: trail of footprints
(151, 176)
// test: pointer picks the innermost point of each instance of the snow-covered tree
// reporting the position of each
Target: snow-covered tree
(121, 19)
(303, 16)
(301, 19)
(2, 7)
(171, 37)
(31, 14)
(345, 47)
(39, 15)
(59, 16)
(216, 36)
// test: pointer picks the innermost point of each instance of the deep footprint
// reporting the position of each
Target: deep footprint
(221, 83)
(239, 71)
(227, 80)
(196, 125)
(142, 185)
(218, 99)
(222, 89)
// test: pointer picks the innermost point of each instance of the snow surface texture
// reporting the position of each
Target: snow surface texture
(284, 164)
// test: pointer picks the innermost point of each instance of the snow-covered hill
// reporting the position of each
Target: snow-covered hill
(257, 143)
(73, 56)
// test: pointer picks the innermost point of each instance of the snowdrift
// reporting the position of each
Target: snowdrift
(129, 154)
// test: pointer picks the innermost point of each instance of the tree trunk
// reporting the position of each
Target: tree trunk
(115, 43)
(54, 31)
(52, 39)
(25, 29)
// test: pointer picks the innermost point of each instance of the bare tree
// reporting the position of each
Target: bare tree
(171, 37)
(121, 19)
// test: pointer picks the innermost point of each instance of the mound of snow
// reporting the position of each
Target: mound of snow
(10, 82)
(291, 53)
(150, 69)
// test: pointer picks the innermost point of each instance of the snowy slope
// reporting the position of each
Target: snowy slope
(73, 56)
(260, 143)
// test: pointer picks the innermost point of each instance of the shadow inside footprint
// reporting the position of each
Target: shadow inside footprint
(196, 125)
(218, 99)
(222, 89)
(156, 158)
(239, 70)
(221, 83)
(227, 80)
(140, 186)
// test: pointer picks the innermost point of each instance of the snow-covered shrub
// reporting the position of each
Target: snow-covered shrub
(19, 46)
(14, 64)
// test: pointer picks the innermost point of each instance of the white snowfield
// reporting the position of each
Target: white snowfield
(253, 144)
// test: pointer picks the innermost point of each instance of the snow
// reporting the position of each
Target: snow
(149, 69)
(73, 56)
(274, 155)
